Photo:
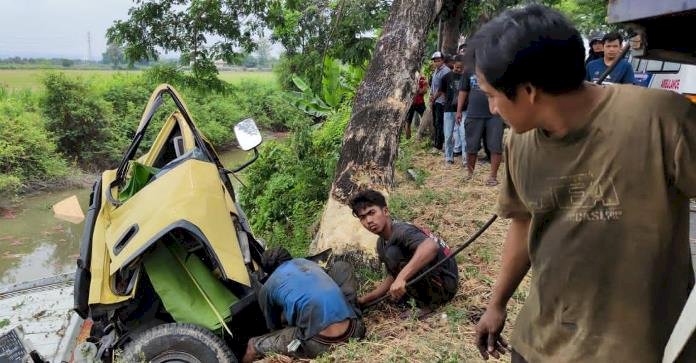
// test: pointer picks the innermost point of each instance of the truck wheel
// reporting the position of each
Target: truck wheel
(177, 343)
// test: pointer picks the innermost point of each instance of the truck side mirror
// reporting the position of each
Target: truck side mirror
(248, 135)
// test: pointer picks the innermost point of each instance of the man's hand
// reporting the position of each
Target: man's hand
(397, 288)
(488, 339)
(361, 301)
(458, 117)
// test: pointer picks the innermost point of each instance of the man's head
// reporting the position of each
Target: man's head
(436, 60)
(523, 54)
(596, 42)
(597, 45)
(458, 64)
(449, 60)
(274, 257)
(370, 207)
(612, 46)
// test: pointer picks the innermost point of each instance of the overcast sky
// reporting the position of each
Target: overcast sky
(57, 28)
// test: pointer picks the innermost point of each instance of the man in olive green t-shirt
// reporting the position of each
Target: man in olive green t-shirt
(597, 186)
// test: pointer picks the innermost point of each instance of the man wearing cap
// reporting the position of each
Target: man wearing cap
(437, 99)
(596, 48)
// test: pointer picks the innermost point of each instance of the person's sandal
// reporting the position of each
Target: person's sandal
(492, 182)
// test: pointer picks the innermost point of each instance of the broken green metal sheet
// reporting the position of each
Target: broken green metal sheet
(203, 302)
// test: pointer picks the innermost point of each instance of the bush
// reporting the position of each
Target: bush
(80, 119)
(290, 182)
(27, 149)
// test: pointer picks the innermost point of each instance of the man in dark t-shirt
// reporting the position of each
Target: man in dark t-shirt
(622, 73)
(406, 250)
(450, 87)
(481, 123)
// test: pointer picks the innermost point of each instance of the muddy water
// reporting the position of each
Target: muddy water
(34, 244)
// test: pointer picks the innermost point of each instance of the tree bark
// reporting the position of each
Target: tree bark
(371, 140)
(452, 16)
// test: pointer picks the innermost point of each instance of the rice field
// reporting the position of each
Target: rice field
(16, 79)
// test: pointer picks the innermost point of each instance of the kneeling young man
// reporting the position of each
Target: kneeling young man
(318, 309)
(406, 251)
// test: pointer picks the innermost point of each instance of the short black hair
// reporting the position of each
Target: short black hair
(365, 199)
(533, 44)
(610, 37)
(274, 257)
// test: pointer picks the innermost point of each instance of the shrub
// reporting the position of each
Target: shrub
(80, 120)
(290, 182)
(27, 150)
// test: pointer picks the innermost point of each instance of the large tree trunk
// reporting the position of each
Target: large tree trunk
(371, 140)
(452, 16)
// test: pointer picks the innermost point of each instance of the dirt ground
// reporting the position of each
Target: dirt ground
(441, 199)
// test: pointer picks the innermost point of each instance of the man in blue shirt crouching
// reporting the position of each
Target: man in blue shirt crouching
(307, 310)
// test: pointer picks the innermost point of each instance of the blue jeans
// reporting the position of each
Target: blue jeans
(452, 132)
(459, 140)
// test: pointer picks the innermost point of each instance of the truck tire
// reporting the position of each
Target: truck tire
(174, 343)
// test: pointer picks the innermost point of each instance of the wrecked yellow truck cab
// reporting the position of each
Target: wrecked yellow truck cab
(168, 265)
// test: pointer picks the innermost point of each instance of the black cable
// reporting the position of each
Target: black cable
(433, 267)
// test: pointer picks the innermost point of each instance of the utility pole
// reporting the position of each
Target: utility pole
(89, 46)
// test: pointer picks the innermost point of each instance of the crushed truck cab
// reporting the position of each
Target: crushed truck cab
(166, 246)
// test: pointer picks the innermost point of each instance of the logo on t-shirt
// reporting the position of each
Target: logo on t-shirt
(581, 197)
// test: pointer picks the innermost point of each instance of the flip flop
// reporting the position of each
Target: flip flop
(491, 182)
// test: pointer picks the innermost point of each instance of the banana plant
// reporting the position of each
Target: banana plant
(338, 83)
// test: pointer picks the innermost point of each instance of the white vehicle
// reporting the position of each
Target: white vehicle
(671, 76)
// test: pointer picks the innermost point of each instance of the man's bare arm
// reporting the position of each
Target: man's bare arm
(378, 291)
(424, 254)
(515, 265)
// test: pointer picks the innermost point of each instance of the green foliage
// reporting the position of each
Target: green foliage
(290, 182)
(203, 31)
(27, 149)
(587, 15)
(92, 120)
(113, 56)
(80, 120)
(337, 84)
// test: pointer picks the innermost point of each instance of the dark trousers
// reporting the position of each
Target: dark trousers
(412, 112)
(438, 137)
(432, 290)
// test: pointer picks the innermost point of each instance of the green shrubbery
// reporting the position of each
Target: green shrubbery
(288, 185)
(81, 120)
(27, 150)
(91, 121)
